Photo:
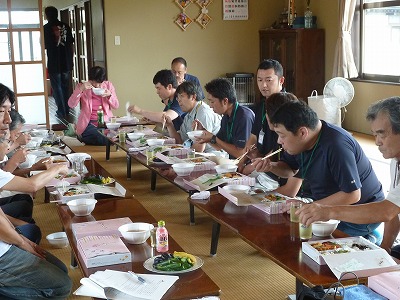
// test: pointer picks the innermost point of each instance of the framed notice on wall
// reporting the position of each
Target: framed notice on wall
(236, 9)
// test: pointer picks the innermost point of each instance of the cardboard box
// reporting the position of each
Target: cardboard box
(88, 191)
(99, 251)
(99, 228)
(201, 163)
(209, 181)
(257, 200)
(386, 284)
(346, 257)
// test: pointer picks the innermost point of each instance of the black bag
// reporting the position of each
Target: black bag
(315, 293)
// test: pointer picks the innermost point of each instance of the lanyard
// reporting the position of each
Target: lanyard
(304, 172)
(396, 175)
(197, 108)
(230, 128)
(264, 115)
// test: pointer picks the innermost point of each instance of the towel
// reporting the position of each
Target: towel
(201, 195)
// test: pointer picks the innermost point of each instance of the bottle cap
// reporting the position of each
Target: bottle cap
(161, 223)
(100, 107)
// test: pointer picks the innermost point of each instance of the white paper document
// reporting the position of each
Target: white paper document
(127, 285)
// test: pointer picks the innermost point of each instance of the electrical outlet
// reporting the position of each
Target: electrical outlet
(117, 40)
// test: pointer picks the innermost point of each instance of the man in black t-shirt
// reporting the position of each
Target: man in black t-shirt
(58, 41)
(269, 81)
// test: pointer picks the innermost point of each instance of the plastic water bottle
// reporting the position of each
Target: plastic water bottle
(308, 18)
(162, 237)
(100, 117)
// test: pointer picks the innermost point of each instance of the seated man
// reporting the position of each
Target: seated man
(165, 83)
(269, 81)
(327, 158)
(385, 125)
(236, 122)
(195, 109)
(26, 270)
(179, 68)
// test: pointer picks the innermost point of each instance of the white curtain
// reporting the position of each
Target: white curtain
(344, 65)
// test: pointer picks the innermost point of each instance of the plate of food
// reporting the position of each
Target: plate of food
(97, 179)
(73, 191)
(176, 263)
(274, 197)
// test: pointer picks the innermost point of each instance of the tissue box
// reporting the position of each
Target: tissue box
(99, 251)
(386, 284)
(99, 228)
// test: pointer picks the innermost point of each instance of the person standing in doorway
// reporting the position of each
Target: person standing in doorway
(58, 41)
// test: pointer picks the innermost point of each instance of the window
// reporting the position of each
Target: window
(376, 30)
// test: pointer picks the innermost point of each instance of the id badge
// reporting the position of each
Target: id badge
(261, 137)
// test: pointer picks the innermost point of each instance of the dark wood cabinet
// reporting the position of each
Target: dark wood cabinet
(302, 55)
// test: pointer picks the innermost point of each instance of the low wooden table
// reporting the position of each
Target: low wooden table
(272, 235)
(189, 285)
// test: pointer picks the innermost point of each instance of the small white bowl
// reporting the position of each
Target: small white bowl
(82, 207)
(155, 142)
(136, 233)
(58, 239)
(226, 168)
(30, 160)
(34, 142)
(193, 134)
(113, 126)
(324, 228)
(98, 91)
(236, 188)
(39, 132)
(183, 169)
(133, 136)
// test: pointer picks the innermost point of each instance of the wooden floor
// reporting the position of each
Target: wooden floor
(60, 124)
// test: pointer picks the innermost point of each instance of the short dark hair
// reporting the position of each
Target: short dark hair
(389, 106)
(275, 101)
(16, 119)
(165, 77)
(179, 60)
(271, 64)
(295, 114)
(51, 13)
(190, 88)
(6, 93)
(221, 88)
(97, 74)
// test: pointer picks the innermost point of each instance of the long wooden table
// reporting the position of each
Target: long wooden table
(273, 235)
(189, 285)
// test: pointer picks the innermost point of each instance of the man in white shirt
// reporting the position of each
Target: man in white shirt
(384, 118)
(195, 109)
(26, 270)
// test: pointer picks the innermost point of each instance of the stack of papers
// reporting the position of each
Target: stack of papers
(128, 285)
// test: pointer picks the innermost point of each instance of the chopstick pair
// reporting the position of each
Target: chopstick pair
(272, 154)
(237, 160)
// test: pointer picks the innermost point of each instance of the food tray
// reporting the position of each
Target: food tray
(354, 254)
(201, 163)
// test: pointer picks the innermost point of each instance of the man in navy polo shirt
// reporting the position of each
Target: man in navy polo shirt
(179, 68)
(236, 122)
(327, 158)
(165, 83)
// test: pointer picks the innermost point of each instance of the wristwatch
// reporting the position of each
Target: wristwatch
(213, 140)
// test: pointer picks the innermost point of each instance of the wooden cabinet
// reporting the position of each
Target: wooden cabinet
(302, 55)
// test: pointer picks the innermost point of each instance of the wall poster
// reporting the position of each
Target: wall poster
(235, 9)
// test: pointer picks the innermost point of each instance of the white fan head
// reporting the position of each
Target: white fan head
(340, 88)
